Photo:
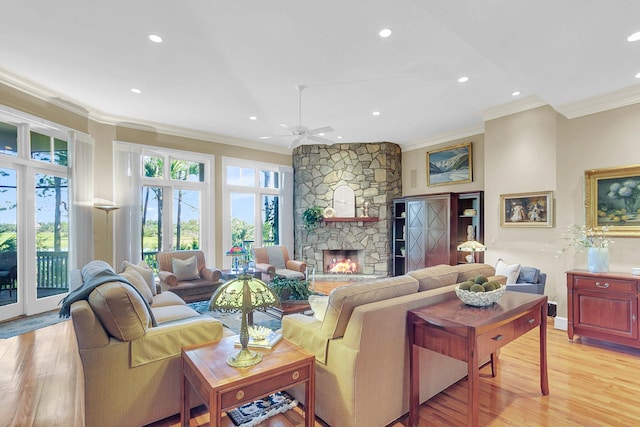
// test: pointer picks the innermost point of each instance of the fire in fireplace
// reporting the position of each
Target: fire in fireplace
(341, 262)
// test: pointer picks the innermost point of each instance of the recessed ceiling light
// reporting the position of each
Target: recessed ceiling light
(339, 137)
(463, 79)
(638, 76)
(634, 37)
(253, 118)
(516, 93)
(375, 113)
(384, 33)
(264, 137)
(155, 38)
(321, 134)
(135, 90)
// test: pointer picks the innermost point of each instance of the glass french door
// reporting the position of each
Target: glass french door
(9, 241)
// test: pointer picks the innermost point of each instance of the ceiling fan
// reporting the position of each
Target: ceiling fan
(301, 133)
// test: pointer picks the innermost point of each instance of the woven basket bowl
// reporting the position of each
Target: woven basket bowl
(480, 299)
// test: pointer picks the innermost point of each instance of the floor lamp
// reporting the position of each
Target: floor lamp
(107, 210)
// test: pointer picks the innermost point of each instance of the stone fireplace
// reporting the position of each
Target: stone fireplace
(373, 171)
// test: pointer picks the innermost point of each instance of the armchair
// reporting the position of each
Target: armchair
(185, 274)
(530, 280)
(274, 261)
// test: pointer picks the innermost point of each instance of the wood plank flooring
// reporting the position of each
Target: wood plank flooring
(591, 384)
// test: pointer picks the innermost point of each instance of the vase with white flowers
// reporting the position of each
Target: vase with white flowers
(595, 241)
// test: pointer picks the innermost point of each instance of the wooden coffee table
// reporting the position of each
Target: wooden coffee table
(471, 333)
(223, 387)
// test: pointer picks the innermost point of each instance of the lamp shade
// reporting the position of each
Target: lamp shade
(471, 246)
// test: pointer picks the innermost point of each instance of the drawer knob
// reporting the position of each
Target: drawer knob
(604, 285)
(530, 321)
(497, 337)
(295, 375)
(240, 395)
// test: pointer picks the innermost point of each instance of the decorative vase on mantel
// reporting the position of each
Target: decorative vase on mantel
(598, 260)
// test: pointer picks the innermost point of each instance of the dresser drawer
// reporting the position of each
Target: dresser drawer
(527, 322)
(605, 284)
(491, 341)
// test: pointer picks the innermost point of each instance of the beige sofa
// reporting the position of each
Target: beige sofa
(131, 369)
(362, 369)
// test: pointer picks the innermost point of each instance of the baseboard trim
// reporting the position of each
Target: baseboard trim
(560, 323)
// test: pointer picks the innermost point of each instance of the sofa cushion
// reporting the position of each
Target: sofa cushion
(167, 298)
(319, 305)
(510, 270)
(344, 299)
(121, 310)
(434, 277)
(470, 271)
(145, 271)
(136, 279)
(185, 269)
(528, 275)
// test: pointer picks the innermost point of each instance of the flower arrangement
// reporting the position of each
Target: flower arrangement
(581, 237)
(237, 251)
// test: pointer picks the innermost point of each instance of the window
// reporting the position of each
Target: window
(254, 203)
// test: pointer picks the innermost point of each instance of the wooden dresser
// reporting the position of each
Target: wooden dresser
(603, 306)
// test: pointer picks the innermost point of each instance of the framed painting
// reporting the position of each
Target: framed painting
(612, 199)
(450, 165)
(526, 209)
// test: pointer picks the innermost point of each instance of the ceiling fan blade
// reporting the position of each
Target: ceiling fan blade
(320, 140)
(295, 142)
(320, 130)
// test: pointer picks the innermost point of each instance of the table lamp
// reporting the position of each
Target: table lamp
(244, 294)
(473, 247)
(237, 252)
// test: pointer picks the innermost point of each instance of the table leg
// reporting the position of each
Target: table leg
(310, 399)
(414, 374)
(473, 376)
(544, 378)
(185, 411)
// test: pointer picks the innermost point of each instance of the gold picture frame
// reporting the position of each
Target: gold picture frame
(450, 165)
(612, 199)
(527, 209)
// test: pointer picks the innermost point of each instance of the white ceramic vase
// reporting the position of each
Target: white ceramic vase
(598, 260)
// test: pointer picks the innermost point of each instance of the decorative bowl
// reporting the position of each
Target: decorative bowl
(480, 299)
(258, 333)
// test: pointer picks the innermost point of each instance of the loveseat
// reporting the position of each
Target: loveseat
(362, 359)
(132, 369)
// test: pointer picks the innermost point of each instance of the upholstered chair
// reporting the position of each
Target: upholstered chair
(274, 261)
(185, 273)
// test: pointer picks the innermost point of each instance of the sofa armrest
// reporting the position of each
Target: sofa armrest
(266, 269)
(294, 265)
(211, 274)
(168, 278)
(498, 278)
(304, 331)
(166, 341)
(89, 331)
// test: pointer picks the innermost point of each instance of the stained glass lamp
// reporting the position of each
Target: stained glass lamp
(473, 247)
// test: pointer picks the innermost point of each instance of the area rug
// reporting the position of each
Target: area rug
(234, 320)
(254, 413)
(24, 324)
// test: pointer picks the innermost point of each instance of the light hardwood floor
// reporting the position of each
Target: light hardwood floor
(591, 384)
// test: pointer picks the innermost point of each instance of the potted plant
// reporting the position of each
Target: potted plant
(290, 290)
(311, 217)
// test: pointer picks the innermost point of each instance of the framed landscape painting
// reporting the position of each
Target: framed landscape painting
(526, 209)
(612, 199)
(450, 165)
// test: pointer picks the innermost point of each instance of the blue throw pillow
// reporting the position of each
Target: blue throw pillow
(528, 275)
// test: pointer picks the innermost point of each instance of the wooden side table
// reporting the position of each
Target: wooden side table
(223, 387)
(471, 333)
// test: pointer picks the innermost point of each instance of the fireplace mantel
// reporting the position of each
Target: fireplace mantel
(352, 219)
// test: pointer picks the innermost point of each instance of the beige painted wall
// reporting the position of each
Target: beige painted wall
(540, 150)
(104, 136)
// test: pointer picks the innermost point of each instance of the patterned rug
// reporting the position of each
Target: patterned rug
(24, 324)
(254, 413)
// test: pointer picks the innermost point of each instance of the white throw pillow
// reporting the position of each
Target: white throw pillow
(145, 271)
(185, 269)
(512, 271)
(318, 304)
(136, 279)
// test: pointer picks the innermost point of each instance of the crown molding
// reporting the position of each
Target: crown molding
(518, 106)
(57, 99)
(446, 137)
(596, 104)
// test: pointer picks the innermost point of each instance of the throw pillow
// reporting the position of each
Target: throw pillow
(528, 275)
(139, 283)
(145, 271)
(276, 258)
(318, 304)
(185, 269)
(510, 270)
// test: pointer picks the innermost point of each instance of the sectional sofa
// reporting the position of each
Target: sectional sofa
(360, 345)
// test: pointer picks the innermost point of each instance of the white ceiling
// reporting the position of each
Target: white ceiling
(223, 61)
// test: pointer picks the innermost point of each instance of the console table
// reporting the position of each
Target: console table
(470, 334)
